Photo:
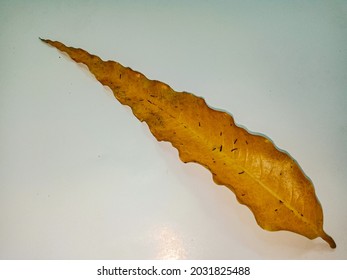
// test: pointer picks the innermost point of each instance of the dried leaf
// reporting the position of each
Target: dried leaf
(263, 178)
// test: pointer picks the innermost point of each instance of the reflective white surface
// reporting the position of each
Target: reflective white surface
(81, 178)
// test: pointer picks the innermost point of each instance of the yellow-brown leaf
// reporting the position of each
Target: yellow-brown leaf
(265, 179)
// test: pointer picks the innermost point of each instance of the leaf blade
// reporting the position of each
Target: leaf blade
(268, 181)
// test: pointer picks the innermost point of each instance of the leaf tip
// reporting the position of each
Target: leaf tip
(47, 41)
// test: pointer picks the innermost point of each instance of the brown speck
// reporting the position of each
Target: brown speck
(235, 141)
(221, 148)
(213, 148)
(234, 149)
(120, 76)
(221, 133)
(246, 142)
(199, 124)
(280, 201)
(276, 210)
(241, 172)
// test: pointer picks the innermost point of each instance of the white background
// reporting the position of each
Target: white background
(81, 178)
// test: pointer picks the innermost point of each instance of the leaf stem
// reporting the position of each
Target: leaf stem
(329, 240)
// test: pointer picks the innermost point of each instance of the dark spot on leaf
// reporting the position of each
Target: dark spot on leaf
(221, 148)
(235, 141)
(276, 210)
(199, 124)
(221, 133)
(246, 142)
(280, 201)
(213, 148)
(120, 76)
(234, 149)
(241, 172)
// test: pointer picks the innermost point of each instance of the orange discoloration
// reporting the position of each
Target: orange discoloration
(265, 179)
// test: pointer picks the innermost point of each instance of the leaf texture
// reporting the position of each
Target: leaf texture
(263, 178)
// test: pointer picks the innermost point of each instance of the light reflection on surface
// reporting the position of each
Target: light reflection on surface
(170, 244)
